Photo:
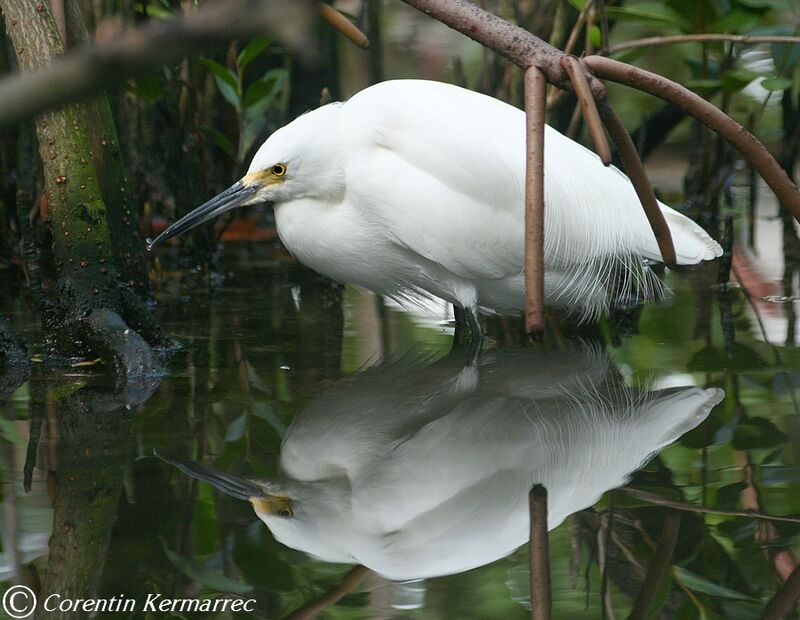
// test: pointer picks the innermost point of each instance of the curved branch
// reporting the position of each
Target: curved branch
(700, 38)
(748, 145)
(635, 170)
(139, 50)
(586, 98)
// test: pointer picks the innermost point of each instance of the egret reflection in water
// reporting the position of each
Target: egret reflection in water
(418, 470)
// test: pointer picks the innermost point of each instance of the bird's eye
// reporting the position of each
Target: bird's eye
(279, 170)
(285, 513)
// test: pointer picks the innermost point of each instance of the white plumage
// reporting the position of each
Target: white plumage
(417, 187)
(417, 472)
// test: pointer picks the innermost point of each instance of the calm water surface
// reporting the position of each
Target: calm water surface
(398, 457)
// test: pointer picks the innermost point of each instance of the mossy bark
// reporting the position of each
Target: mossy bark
(87, 273)
(123, 220)
(94, 435)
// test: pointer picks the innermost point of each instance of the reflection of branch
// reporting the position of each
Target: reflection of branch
(662, 557)
(539, 554)
(700, 38)
(349, 583)
(139, 50)
(781, 604)
(653, 498)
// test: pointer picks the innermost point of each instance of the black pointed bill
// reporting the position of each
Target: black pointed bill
(238, 487)
(235, 196)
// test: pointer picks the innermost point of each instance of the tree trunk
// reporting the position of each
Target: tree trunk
(123, 219)
(89, 278)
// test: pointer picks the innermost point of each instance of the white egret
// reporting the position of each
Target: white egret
(419, 472)
(417, 187)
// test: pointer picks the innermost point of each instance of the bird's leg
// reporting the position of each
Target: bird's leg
(476, 334)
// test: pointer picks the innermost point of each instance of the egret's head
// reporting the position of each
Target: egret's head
(301, 160)
(313, 517)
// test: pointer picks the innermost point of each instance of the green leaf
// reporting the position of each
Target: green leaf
(62, 391)
(261, 94)
(152, 10)
(703, 84)
(205, 576)
(785, 56)
(253, 50)
(235, 430)
(227, 81)
(776, 83)
(595, 36)
(640, 15)
(736, 79)
(220, 140)
(252, 126)
(149, 88)
(696, 583)
(267, 413)
(577, 4)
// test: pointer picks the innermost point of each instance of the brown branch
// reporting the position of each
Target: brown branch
(539, 554)
(748, 145)
(349, 583)
(635, 169)
(662, 558)
(657, 500)
(586, 98)
(138, 50)
(781, 604)
(345, 27)
(699, 38)
(535, 90)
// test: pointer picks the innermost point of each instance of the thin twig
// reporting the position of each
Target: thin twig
(349, 583)
(345, 27)
(535, 88)
(635, 170)
(577, 76)
(576, 29)
(657, 500)
(539, 554)
(748, 145)
(700, 38)
(662, 558)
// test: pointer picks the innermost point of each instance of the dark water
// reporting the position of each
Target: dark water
(395, 455)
